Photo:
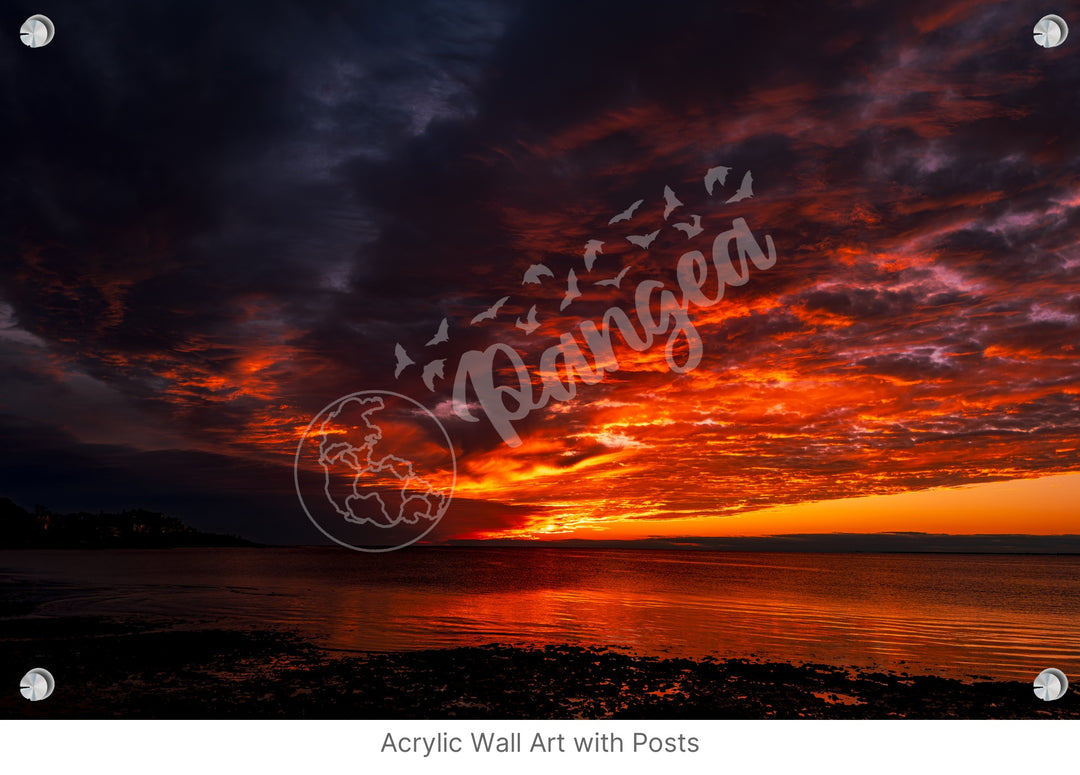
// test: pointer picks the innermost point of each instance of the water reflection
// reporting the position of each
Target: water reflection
(995, 616)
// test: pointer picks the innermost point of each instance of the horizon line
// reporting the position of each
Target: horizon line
(901, 542)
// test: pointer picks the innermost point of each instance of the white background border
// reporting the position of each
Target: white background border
(348, 747)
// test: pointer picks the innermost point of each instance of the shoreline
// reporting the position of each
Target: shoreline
(158, 667)
(109, 668)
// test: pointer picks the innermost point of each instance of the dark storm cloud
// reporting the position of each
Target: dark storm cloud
(177, 172)
(176, 227)
(910, 366)
(862, 303)
(175, 200)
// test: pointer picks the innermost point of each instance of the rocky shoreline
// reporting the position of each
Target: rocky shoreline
(139, 669)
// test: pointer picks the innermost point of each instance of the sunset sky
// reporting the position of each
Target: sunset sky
(220, 217)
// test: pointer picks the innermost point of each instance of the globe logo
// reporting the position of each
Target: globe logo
(375, 471)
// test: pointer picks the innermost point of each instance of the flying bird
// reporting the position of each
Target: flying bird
(745, 191)
(535, 272)
(490, 312)
(626, 214)
(592, 249)
(440, 335)
(403, 360)
(614, 281)
(691, 229)
(531, 323)
(670, 201)
(572, 291)
(642, 240)
(716, 175)
(431, 371)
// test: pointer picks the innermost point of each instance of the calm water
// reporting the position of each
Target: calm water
(957, 615)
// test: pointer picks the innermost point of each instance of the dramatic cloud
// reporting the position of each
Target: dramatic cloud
(209, 237)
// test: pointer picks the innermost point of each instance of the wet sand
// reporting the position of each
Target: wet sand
(107, 668)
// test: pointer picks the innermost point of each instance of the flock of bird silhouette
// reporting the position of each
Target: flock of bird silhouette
(535, 273)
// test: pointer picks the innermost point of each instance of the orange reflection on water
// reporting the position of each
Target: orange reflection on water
(949, 615)
(1000, 616)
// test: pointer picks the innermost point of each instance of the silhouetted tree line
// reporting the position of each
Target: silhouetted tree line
(136, 529)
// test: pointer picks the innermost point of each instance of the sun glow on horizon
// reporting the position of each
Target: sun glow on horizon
(987, 508)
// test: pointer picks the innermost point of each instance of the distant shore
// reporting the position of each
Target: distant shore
(133, 529)
(107, 668)
(143, 529)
